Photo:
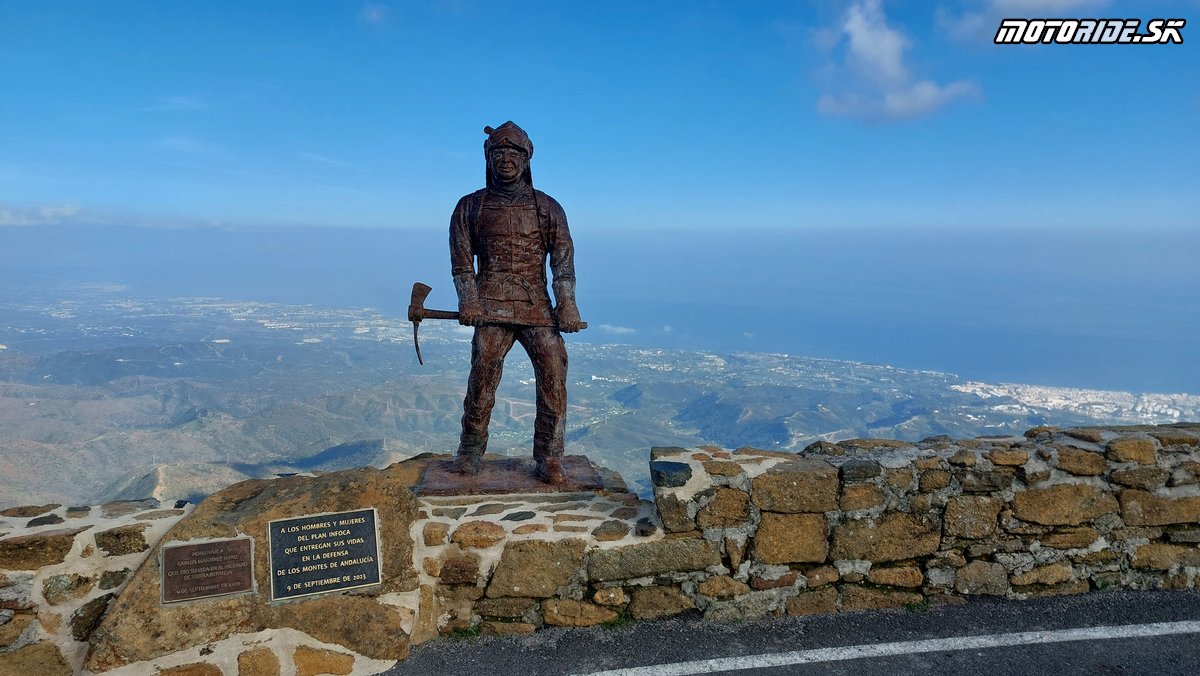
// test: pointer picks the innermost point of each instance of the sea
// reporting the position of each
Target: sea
(1067, 307)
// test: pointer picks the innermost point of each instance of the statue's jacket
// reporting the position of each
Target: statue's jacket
(512, 236)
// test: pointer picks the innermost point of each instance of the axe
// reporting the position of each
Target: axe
(417, 312)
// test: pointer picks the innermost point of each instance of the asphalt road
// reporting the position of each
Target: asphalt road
(1168, 621)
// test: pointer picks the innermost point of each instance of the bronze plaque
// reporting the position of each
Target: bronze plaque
(321, 553)
(204, 569)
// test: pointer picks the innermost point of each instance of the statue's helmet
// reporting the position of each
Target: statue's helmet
(511, 136)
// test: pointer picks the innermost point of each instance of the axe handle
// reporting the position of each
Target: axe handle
(416, 314)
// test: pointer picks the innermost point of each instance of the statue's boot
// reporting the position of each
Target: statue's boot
(470, 453)
(550, 470)
(548, 436)
(467, 463)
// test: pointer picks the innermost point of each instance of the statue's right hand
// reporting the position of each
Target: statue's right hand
(470, 313)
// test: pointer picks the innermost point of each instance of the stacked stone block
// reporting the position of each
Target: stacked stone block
(873, 523)
(508, 564)
(60, 569)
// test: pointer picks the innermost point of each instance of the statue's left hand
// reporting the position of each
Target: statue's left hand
(567, 316)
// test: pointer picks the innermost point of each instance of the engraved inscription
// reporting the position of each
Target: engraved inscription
(205, 569)
(324, 553)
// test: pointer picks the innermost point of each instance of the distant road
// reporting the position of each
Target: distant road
(1119, 632)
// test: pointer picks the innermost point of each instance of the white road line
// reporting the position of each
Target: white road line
(854, 652)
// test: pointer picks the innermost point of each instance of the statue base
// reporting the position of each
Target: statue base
(508, 475)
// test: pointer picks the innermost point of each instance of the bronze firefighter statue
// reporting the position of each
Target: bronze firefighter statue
(500, 239)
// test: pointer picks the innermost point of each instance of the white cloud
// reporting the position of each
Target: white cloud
(980, 19)
(618, 330)
(375, 13)
(873, 79)
(46, 214)
(1045, 7)
(876, 49)
(924, 97)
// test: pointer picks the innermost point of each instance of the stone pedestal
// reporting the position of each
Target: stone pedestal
(508, 475)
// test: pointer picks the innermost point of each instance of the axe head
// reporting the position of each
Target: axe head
(416, 306)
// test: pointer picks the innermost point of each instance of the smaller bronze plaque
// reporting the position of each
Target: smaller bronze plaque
(203, 569)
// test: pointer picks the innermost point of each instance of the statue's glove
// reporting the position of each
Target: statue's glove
(567, 316)
(565, 313)
(470, 311)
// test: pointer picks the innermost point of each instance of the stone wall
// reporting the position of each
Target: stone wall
(837, 527)
(874, 523)
(61, 568)
(729, 534)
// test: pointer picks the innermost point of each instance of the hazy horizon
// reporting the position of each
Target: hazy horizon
(1048, 308)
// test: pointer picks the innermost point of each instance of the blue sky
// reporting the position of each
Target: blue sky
(684, 115)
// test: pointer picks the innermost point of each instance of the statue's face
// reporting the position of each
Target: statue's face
(508, 164)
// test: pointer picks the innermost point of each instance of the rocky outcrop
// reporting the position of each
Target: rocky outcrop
(139, 627)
